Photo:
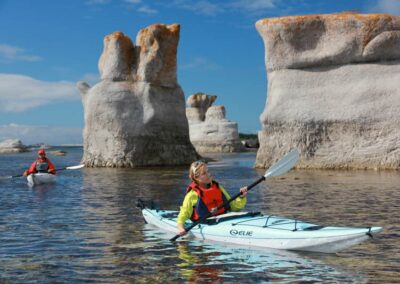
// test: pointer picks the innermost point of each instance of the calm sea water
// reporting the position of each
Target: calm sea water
(86, 227)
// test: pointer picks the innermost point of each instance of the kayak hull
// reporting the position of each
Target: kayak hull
(266, 231)
(40, 178)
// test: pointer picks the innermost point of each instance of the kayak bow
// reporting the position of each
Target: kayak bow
(40, 178)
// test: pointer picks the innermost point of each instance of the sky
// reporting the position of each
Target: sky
(47, 46)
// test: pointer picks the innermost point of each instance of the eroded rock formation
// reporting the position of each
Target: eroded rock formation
(12, 146)
(333, 90)
(135, 116)
(210, 131)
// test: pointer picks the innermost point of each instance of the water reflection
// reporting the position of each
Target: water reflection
(85, 228)
(214, 262)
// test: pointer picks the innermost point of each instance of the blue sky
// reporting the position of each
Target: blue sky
(46, 46)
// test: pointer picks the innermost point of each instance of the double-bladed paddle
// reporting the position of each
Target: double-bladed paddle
(57, 170)
(281, 167)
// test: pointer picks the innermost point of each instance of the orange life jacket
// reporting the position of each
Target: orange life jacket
(209, 198)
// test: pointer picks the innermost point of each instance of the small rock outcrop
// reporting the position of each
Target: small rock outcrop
(58, 153)
(210, 131)
(333, 90)
(12, 146)
(135, 116)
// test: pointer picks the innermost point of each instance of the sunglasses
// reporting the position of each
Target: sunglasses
(197, 164)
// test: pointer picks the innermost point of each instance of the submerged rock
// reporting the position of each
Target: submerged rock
(333, 90)
(135, 116)
(210, 131)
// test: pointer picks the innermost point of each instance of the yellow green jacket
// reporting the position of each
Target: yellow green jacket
(191, 199)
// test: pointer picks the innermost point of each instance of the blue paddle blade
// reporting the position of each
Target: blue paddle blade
(283, 165)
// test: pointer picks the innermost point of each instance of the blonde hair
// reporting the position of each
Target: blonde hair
(195, 169)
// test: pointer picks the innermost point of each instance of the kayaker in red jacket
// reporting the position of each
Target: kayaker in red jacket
(41, 165)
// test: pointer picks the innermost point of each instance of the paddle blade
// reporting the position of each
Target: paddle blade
(283, 165)
(75, 167)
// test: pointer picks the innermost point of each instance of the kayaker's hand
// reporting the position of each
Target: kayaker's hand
(243, 191)
(25, 173)
(181, 230)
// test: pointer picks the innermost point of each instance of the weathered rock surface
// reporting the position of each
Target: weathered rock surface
(198, 105)
(135, 116)
(12, 146)
(210, 131)
(333, 91)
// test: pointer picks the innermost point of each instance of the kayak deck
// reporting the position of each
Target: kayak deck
(40, 178)
(268, 231)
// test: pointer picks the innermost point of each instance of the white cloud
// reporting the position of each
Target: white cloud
(97, 2)
(133, 1)
(386, 6)
(147, 10)
(258, 6)
(205, 7)
(210, 8)
(200, 7)
(14, 53)
(137, 4)
(91, 78)
(200, 63)
(19, 93)
(29, 134)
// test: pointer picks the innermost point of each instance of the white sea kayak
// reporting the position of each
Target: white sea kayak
(40, 178)
(267, 231)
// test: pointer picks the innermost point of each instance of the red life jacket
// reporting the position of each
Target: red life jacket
(35, 168)
(209, 198)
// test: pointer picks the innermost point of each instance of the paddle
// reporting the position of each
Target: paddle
(62, 169)
(281, 167)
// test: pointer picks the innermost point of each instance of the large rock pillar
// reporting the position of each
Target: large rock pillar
(135, 116)
(333, 91)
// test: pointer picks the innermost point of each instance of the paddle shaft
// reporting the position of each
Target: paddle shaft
(57, 170)
(219, 207)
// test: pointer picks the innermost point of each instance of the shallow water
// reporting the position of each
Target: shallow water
(86, 227)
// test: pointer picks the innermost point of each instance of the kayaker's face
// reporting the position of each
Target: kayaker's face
(42, 157)
(204, 176)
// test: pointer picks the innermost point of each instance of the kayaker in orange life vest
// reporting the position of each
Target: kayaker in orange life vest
(203, 195)
(41, 165)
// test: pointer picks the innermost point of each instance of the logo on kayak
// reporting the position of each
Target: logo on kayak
(234, 232)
